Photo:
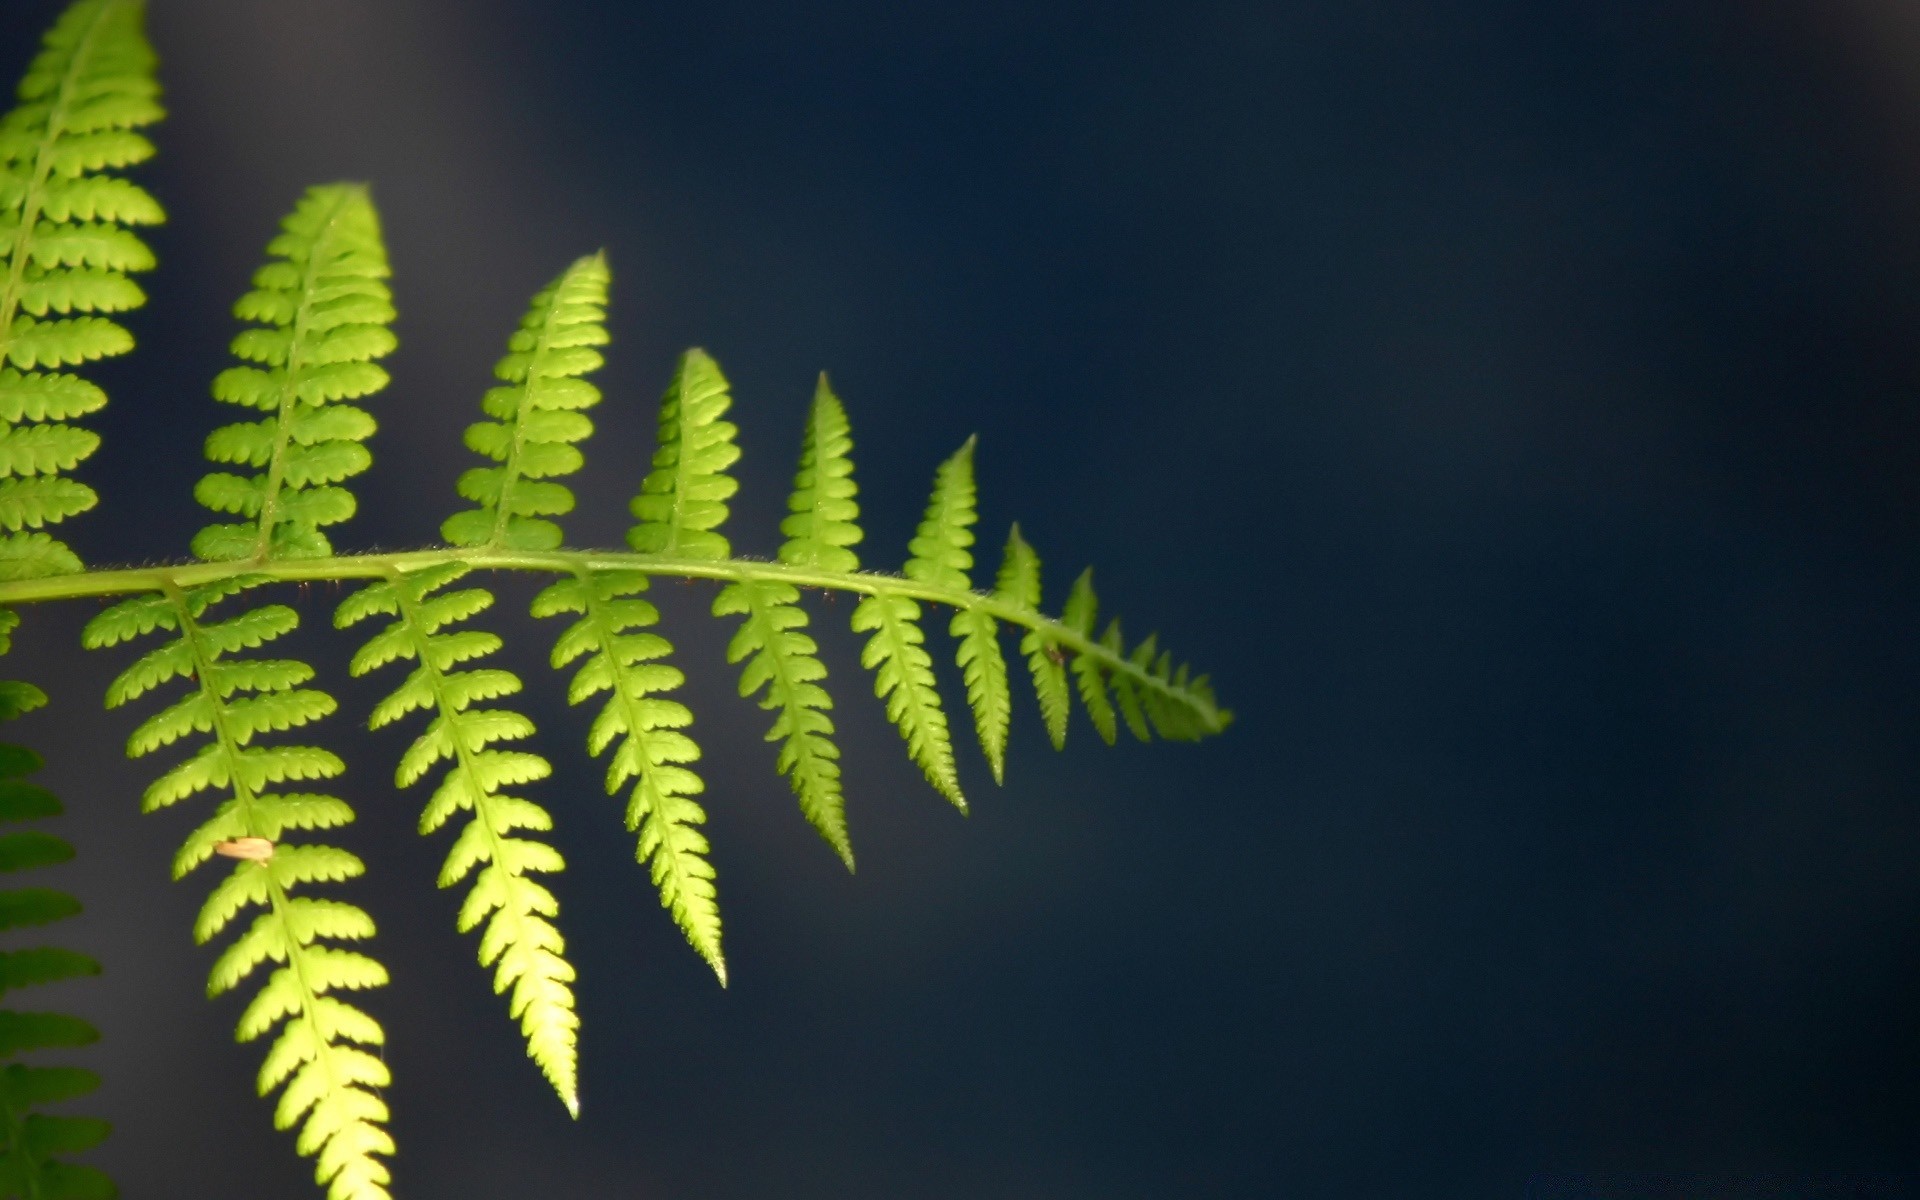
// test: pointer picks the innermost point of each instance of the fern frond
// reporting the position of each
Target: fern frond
(519, 940)
(1078, 615)
(896, 653)
(1124, 693)
(903, 677)
(1019, 585)
(537, 416)
(684, 498)
(784, 659)
(821, 528)
(65, 254)
(652, 750)
(941, 557)
(824, 518)
(32, 1142)
(330, 1083)
(320, 308)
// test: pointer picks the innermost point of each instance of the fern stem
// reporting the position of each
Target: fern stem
(42, 164)
(566, 562)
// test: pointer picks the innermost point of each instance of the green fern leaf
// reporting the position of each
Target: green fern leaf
(330, 1085)
(321, 307)
(652, 750)
(44, 500)
(536, 417)
(941, 557)
(896, 652)
(44, 449)
(46, 397)
(821, 528)
(1123, 689)
(1019, 585)
(684, 498)
(65, 253)
(1081, 609)
(782, 658)
(35, 556)
(520, 942)
(903, 677)
(939, 554)
(823, 520)
(984, 670)
(32, 1143)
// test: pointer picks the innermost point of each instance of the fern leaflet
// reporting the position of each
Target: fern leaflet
(320, 309)
(536, 416)
(32, 1143)
(684, 498)
(652, 752)
(823, 522)
(66, 250)
(1078, 615)
(896, 653)
(520, 940)
(821, 528)
(941, 557)
(330, 1082)
(1019, 585)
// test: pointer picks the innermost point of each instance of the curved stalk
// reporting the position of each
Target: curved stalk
(127, 580)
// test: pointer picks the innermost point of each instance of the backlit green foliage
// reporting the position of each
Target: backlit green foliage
(330, 1082)
(320, 309)
(520, 941)
(684, 498)
(536, 416)
(644, 730)
(66, 251)
(821, 532)
(318, 317)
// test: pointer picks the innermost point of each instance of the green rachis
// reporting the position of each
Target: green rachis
(317, 322)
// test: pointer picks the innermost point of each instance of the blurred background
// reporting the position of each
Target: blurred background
(1513, 405)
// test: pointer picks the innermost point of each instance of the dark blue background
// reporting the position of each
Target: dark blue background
(1512, 404)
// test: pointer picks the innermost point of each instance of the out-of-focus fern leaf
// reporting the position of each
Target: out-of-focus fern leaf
(941, 557)
(1181, 709)
(331, 1083)
(1081, 609)
(65, 253)
(1123, 689)
(652, 751)
(33, 1142)
(1019, 585)
(320, 310)
(536, 417)
(821, 528)
(896, 653)
(520, 940)
(683, 500)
